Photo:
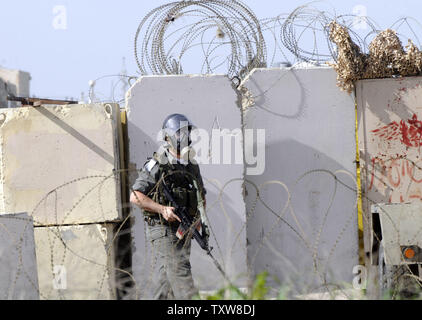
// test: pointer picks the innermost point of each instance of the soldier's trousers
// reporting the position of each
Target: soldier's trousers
(172, 276)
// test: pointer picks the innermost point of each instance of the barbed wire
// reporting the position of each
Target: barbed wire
(97, 93)
(193, 29)
(225, 32)
(218, 36)
(321, 265)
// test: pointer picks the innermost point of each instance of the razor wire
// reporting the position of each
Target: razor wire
(57, 241)
(117, 84)
(225, 37)
(56, 235)
(170, 32)
(227, 33)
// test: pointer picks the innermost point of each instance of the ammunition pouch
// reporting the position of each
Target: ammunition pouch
(181, 191)
(186, 198)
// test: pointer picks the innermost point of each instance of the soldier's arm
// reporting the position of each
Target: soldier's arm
(143, 185)
(146, 203)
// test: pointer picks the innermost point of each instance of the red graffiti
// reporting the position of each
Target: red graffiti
(394, 174)
(398, 177)
(409, 133)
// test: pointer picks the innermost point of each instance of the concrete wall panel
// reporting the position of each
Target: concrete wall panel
(57, 163)
(401, 225)
(390, 140)
(76, 262)
(303, 227)
(211, 103)
(18, 276)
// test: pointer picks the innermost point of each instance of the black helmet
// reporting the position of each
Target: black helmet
(177, 128)
(175, 122)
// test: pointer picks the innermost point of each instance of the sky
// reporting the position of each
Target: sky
(64, 54)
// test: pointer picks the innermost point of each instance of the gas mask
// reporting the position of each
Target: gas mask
(177, 130)
(181, 142)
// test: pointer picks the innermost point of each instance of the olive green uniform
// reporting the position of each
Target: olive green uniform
(172, 277)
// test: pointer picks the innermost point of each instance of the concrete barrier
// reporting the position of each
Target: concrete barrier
(18, 276)
(390, 140)
(303, 227)
(76, 262)
(58, 162)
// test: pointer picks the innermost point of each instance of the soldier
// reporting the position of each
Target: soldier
(173, 165)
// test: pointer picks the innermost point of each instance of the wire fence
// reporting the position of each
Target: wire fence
(54, 245)
(58, 246)
(226, 37)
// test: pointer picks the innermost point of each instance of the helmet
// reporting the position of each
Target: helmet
(177, 128)
(175, 122)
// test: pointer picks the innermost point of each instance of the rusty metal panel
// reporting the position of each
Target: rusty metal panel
(390, 141)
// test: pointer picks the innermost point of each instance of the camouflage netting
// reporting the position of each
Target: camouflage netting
(386, 57)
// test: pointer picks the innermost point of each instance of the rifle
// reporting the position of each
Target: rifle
(187, 223)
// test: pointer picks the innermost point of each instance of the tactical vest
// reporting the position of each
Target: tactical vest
(180, 183)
